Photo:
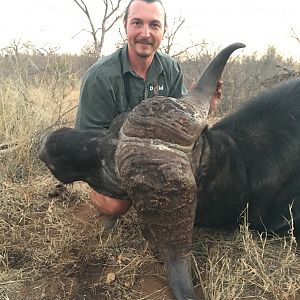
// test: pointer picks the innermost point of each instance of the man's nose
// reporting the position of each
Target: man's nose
(145, 31)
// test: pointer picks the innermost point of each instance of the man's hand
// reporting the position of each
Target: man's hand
(216, 98)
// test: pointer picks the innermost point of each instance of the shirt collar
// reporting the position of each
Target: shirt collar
(124, 60)
(156, 67)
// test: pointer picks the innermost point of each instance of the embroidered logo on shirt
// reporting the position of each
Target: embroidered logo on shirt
(156, 88)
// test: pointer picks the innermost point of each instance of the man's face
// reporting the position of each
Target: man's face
(144, 27)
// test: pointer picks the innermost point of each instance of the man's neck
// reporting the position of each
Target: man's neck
(140, 65)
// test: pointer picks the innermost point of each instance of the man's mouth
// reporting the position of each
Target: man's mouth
(143, 42)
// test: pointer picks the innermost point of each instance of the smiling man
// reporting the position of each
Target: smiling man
(145, 25)
(120, 81)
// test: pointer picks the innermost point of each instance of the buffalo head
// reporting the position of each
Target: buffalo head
(150, 156)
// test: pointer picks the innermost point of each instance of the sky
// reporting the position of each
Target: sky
(256, 23)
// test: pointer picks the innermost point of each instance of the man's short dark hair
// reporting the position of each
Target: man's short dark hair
(148, 1)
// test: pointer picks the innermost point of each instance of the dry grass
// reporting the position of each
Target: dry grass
(55, 248)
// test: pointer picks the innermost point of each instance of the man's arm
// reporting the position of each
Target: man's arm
(96, 107)
(178, 88)
(96, 111)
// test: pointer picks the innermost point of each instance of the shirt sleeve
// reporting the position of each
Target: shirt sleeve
(96, 108)
(178, 88)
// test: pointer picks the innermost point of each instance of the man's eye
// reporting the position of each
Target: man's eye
(155, 25)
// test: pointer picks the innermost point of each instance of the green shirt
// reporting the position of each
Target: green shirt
(103, 96)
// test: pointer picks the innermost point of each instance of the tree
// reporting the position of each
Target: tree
(169, 41)
(295, 35)
(110, 16)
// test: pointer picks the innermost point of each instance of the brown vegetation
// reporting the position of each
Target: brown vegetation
(56, 248)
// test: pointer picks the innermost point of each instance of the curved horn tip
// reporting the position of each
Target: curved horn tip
(208, 80)
(236, 45)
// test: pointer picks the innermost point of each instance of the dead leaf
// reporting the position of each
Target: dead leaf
(111, 277)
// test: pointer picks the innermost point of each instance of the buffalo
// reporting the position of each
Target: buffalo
(180, 173)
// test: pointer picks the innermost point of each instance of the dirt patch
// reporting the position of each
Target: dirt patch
(56, 248)
(86, 278)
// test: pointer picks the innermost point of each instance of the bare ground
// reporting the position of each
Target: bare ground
(56, 248)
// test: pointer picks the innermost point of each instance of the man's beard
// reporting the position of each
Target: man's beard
(144, 53)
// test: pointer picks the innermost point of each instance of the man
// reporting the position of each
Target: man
(119, 82)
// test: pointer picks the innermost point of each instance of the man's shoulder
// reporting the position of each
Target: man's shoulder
(167, 61)
(166, 58)
(107, 65)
